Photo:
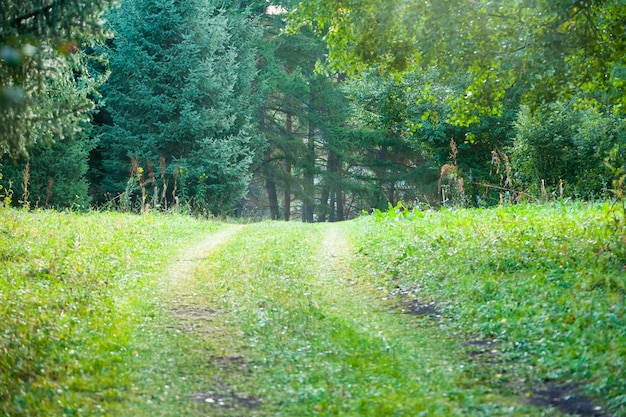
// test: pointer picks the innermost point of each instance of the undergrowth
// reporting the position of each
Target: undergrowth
(546, 283)
(73, 290)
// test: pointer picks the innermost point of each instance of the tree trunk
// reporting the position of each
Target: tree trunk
(272, 197)
(287, 193)
(326, 208)
(308, 198)
(270, 185)
(340, 205)
(288, 168)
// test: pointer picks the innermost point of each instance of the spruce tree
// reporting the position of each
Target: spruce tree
(58, 151)
(179, 96)
(40, 54)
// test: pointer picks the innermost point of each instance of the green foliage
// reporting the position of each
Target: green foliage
(180, 89)
(397, 156)
(56, 173)
(548, 282)
(6, 194)
(546, 49)
(74, 290)
(566, 142)
(44, 84)
(411, 116)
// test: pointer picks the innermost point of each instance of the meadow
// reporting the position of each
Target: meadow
(506, 311)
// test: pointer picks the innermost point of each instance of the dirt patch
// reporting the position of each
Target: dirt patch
(225, 396)
(482, 347)
(416, 307)
(230, 363)
(227, 400)
(194, 319)
(567, 399)
(408, 303)
(194, 313)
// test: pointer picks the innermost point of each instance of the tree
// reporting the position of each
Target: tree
(547, 49)
(565, 148)
(304, 115)
(180, 93)
(410, 136)
(52, 175)
(40, 101)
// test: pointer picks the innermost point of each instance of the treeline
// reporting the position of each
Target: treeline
(230, 108)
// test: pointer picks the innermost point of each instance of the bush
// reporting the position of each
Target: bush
(563, 142)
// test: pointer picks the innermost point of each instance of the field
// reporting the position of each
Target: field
(509, 311)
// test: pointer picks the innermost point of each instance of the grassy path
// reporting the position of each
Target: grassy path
(283, 320)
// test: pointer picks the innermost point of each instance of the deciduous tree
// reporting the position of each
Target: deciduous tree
(548, 49)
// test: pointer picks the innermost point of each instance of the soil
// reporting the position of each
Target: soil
(567, 399)
(224, 396)
(418, 308)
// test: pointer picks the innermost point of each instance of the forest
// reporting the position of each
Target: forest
(315, 110)
(149, 148)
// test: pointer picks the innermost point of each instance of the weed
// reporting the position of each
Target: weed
(451, 184)
(6, 195)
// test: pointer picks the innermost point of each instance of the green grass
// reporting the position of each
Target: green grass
(318, 337)
(293, 320)
(73, 291)
(548, 282)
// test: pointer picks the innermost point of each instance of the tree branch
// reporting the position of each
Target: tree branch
(19, 21)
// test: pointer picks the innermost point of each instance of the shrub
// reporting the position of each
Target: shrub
(564, 142)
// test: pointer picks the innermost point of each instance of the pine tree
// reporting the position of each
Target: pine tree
(57, 158)
(39, 52)
(180, 93)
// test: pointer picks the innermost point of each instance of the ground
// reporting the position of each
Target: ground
(336, 289)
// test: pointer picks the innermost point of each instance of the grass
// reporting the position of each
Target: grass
(318, 337)
(74, 288)
(547, 282)
(306, 320)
